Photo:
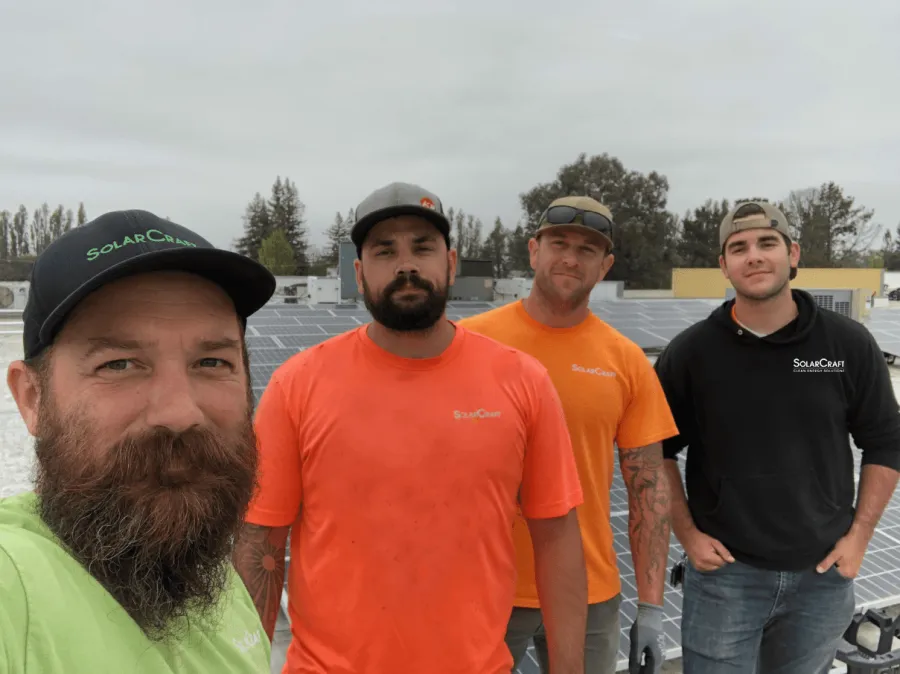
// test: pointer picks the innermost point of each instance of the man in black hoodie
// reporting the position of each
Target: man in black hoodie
(766, 393)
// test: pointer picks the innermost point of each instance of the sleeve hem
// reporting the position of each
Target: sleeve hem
(268, 518)
(889, 458)
(659, 436)
(557, 509)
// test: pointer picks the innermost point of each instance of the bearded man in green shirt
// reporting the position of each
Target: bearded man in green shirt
(135, 384)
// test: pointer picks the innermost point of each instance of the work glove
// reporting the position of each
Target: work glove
(647, 640)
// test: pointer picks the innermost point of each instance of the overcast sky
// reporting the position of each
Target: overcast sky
(188, 107)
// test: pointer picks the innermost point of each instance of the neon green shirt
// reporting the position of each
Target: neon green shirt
(56, 618)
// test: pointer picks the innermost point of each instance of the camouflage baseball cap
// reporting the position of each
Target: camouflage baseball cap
(578, 212)
(752, 215)
(398, 199)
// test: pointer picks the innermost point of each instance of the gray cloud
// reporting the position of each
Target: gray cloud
(188, 108)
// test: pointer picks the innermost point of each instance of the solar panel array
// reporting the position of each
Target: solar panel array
(884, 324)
(278, 331)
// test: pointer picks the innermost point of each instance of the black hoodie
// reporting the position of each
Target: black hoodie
(767, 423)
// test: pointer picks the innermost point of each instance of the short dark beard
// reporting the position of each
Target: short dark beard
(152, 518)
(418, 318)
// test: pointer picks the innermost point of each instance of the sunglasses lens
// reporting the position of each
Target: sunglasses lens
(597, 221)
(561, 215)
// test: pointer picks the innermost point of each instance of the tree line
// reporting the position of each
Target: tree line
(833, 230)
(23, 236)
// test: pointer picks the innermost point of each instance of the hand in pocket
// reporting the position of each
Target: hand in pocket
(705, 552)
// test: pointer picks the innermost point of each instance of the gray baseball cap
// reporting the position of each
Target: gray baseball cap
(753, 215)
(398, 199)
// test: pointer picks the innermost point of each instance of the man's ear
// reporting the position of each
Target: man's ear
(452, 262)
(533, 246)
(357, 267)
(24, 384)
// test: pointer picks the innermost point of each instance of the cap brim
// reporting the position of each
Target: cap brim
(600, 236)
(364, 225)
(248, 283)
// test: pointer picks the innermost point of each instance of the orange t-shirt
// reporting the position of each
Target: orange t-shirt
(400, 478)
(611, 394)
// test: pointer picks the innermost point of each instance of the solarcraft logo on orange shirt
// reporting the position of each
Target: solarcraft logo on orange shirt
(592, 370)
(480, 413)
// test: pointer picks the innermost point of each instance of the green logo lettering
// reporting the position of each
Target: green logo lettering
(151, 235)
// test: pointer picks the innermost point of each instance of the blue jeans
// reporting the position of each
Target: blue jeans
(742, 620)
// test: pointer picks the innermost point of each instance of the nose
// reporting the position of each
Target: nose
(407, 268)
(569, 258)
(754, 255)
(172, 402)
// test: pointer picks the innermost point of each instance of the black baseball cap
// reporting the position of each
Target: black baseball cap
(124, 243)
(398, 199)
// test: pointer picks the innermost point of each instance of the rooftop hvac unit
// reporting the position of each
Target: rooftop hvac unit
(324, 290)
(850, 303)
(475, 267)
(507, 289)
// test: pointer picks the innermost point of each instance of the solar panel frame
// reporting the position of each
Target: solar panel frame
(278, 331)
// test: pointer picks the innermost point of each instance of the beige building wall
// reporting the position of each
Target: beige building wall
(711, 283)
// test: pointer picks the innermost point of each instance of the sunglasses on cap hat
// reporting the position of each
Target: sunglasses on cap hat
(566, 215)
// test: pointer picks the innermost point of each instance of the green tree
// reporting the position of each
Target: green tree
(57, 222)
(495, 249)
(5, 231)
(890, 250)
(277, 255)
(20, 228)
(286, 212)
(82, 215)
(517, 257)
(473, 241)
(832, 230)
(256, 227)
(338, 232)
(40, 229)
(698, 236)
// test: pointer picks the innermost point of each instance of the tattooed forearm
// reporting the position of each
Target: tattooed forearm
(259, 559)
(648, 518)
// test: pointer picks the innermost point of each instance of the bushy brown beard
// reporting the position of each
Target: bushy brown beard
(403, 319)
(152, 518)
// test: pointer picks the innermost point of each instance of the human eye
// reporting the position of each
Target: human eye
(214, 363)
(118, 365)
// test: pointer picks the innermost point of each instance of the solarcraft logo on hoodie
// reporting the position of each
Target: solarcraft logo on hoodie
(818, 365)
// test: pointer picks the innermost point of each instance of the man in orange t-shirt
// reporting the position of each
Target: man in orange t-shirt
(611, 395)
(395, 456)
